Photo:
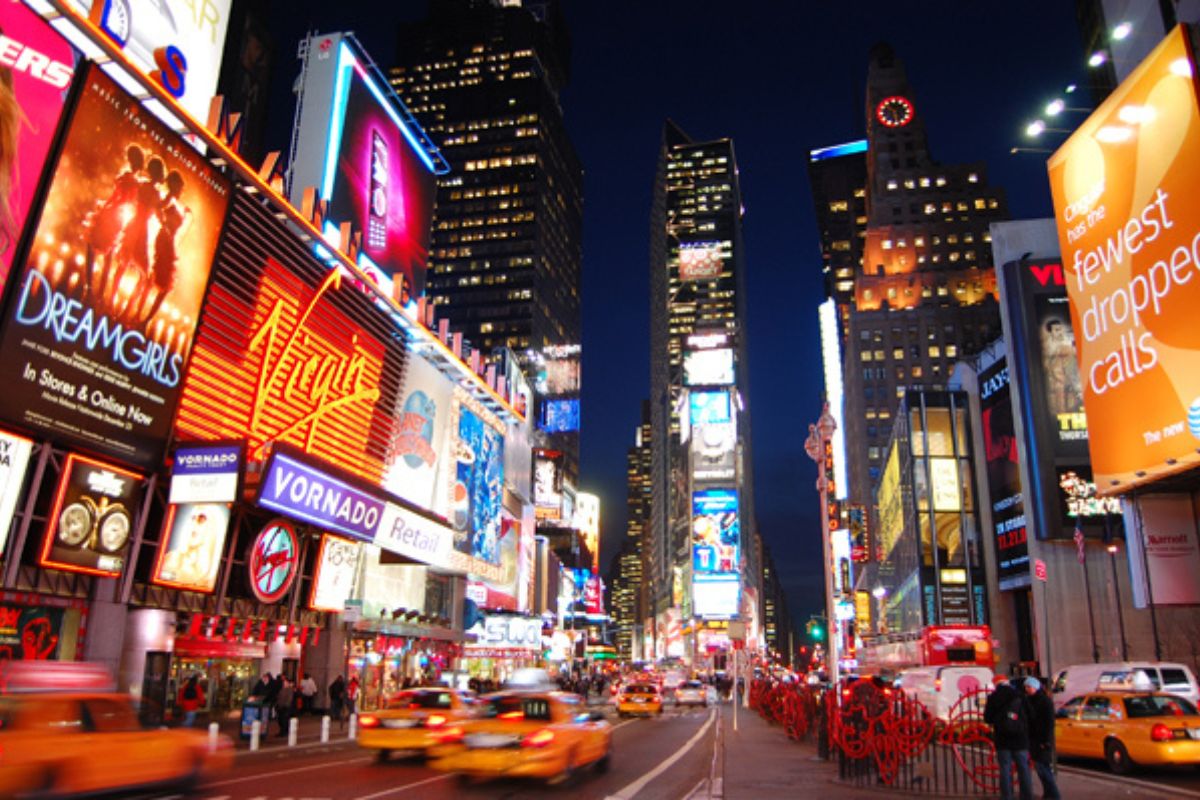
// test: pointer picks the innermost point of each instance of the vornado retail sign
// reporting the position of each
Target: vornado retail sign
(1129, 226)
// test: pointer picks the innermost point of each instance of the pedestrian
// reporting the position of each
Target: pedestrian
(191, 700)
(352, 695)
(284, 701)
(1041, 736)
(263, 686)
(1007, 711)
(308, 694)
(337, 700)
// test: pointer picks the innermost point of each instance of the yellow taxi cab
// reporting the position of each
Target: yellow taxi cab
(66, 737)
(639, 699)
(1127, 729)
(414, 720)
(527, 734)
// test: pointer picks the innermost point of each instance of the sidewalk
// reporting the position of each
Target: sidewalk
(759, 762)
(308, 732)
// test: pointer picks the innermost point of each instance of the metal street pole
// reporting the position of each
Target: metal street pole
(818, 435)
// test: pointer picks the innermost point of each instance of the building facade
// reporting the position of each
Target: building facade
(702, 543)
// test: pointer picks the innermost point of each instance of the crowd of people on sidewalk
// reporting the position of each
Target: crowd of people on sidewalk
(1021, 715)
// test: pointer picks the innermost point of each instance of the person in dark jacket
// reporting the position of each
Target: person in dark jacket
(1041, 736)
(1007, 711)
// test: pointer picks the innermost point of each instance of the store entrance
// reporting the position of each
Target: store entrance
(226, 682)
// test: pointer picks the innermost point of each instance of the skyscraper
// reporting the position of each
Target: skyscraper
(838, 177)
(925, 293)
(702, 527)
(484, 80)
(629, 593)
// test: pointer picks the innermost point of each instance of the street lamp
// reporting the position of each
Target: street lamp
(819, 436)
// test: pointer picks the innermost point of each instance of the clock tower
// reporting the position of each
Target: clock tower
(895, 127)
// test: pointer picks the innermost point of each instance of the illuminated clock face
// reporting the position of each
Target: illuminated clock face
(894, 112)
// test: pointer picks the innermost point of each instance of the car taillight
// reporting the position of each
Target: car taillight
(435, 721)
(513, 715)
(368, 721)
(937, 685)
(449, 735)
(538, 738)
(1161, 733)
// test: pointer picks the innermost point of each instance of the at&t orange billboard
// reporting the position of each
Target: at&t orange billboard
(1129, 225)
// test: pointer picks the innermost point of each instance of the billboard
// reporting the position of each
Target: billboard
(37, 66)
(99, 329)
(715, 596)
(714, 451)
(858, 522)
(289, 354)
(1122, 186)
(560, 415)
(362, 151)
(708, 367)
(337, 567)
(91, 521)
(700, 261)
(587, 520)
(206, 473)
(14, 463)
(890, 500)
(1164, 556)
(709, 408)
(501, 593)
(182, 41)
(548, 484)
(556, 370)
(478, 490)
(716, 531)
(193, 540)
(417, 463)
(1004, 477)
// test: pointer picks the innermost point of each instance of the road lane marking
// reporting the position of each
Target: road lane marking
(405, 787)
(261, 775)
(632, 789)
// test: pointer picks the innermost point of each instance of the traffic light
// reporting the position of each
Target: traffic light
(816, 631)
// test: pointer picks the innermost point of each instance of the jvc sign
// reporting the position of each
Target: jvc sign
(519, 632)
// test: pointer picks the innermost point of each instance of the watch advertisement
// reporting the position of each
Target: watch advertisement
(39, 94)
(14, 463)
(193, 541)
(92, 518)
(99, 329)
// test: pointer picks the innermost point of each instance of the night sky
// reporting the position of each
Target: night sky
(779, 79)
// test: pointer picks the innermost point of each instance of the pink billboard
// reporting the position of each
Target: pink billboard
(36, 65)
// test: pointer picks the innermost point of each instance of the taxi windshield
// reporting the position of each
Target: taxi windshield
(693, 685)
(414, 700)
(1158, 705)
(640, 688)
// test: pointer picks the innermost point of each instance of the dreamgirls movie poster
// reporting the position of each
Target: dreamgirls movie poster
(100, 324)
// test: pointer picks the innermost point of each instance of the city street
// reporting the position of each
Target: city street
(663, 757)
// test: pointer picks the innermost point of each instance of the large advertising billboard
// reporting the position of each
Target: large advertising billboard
(700, 261)
(713, 439)
(193, 541)
(359, 147)
(716, 531)
(478, 492)
(288, 353)
(99, 329)
(36, 64)
(181, 41)
(501, 593)
(1004, 477)
(548, 484)
(708, 367)
(417, 461)
(1122, 186)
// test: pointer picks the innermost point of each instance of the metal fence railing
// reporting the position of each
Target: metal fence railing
(882, 738)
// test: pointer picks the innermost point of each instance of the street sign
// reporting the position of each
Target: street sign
(352, 611)
(1039, 570)
(737, 631)
(1080, 552)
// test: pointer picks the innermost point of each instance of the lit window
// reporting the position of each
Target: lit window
(898, 353)
(873, 453)
(839, 205)
(993, 204)
(917, 372)
(879, 356)
(973, 178)
(951, 351)
(980, 203)
(919, 241)
(931, 208)
(909, 183)
(935, 351)
(891, 184)
(865, 355)
(943, 292)
(887, 244)
(924, 183)
(954, 256)
(901, 243)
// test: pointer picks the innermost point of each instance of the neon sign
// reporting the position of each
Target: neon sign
(288, 366)
(274, 558)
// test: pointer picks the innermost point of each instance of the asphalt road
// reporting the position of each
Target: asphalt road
(1186, 780)
(681, 739)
